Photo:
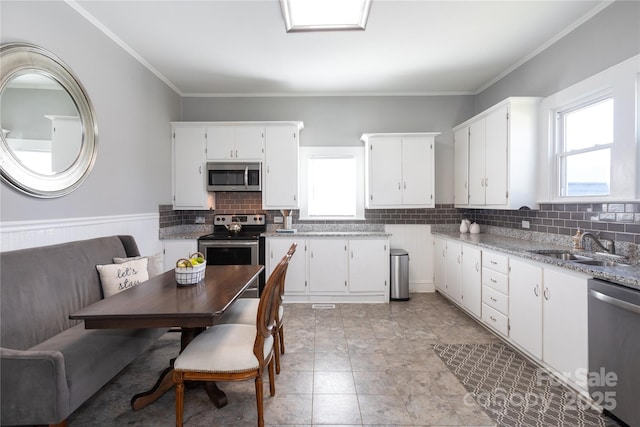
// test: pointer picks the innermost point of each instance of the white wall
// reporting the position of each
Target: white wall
(132, 173)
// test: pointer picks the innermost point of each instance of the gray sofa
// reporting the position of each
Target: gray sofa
(50, 365)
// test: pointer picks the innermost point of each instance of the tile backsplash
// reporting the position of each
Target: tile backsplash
(616, 221)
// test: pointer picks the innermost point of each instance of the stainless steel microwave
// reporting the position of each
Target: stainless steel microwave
(230, 176)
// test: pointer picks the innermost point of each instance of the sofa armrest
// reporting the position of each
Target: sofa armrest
(33, 387)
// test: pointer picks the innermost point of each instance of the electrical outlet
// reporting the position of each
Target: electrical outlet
(199, 220)
(278, 219)
(525, 224)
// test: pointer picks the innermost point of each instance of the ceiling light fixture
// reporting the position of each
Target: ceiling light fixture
(325, 15)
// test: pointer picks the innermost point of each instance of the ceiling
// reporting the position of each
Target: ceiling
(419, 47)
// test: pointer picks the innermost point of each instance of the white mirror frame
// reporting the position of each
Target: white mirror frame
(20, 58)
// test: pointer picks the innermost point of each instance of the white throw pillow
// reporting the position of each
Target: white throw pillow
(155, 267)
(118, 277)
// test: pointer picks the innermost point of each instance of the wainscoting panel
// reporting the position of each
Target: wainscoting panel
(27, 234)
(418, 241)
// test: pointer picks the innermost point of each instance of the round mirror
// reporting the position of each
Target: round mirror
(49, 130)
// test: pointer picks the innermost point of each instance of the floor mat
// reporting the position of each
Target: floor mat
(513, 391)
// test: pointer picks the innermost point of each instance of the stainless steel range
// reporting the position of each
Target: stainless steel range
(243, 246)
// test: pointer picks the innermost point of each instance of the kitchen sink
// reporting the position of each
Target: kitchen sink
(600, 263)
(563, 255)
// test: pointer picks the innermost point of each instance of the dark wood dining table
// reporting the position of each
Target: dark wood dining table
(161, 303)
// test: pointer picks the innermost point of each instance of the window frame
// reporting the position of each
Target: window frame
(331, 152)
(562, 154)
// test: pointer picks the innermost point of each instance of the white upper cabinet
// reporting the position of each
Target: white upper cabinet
(461, 166)
(399, 170)
(499, 168)
(188, 168)
(280, 170)
(235, 142)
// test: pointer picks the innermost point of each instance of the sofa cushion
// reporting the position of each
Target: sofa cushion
(116, 278)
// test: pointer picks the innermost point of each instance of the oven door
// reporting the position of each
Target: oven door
(232, 252)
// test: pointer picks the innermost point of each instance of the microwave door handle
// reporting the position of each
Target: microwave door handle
(246, 177)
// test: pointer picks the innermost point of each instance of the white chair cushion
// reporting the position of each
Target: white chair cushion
(224, 348)
(244, 311)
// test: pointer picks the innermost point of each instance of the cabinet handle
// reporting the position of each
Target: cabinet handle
(295, 197)
(458, 259)
(200, 170)
(231, 154)
(493, 262)
(399, 186)
(493, 299)
(351, 254)
(481, 182)
(272, 254)
(546, 294)
(486, 182)
(405, 185)
(536, 291)
(345, 283)
(311, 254)
(477, 267)
(236, 154)
(493, 318)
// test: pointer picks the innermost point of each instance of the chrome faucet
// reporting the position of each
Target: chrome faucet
(608, 246)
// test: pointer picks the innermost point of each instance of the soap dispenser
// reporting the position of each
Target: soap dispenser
(577, 240)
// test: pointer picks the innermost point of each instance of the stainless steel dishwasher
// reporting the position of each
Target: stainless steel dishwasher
(614, 349)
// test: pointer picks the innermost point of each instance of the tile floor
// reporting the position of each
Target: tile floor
(357, 364)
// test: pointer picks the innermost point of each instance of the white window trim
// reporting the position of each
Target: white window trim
(560, 152)
(622, 81)
(306, 153)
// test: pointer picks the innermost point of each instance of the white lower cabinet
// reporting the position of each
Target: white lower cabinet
(541, 309)
(495, 291)
(565, 344)
(176, 249)
(525, 302)
(472, 279)
(328, 274)
(296, 279)
(332, 269)
(458, 273)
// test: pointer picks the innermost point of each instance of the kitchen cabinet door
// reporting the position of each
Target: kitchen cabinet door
(249, 142)
(472, 279)
(227, 142)
(328, 273)
(461, 166)
(496, 144)
(296, 280)
(417, 171)
(565, 321)
(440, 264)
(385, 171)
(368, 265)
(280, 171)
(525, 306)
(176, 249)
(189, 166)
(454, 271)
(477, 162)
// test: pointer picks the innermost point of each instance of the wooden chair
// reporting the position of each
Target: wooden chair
(234, 352)
(244, 312)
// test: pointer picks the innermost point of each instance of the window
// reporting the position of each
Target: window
(332, 183)
(585, 136)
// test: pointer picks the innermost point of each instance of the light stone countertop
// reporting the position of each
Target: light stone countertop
(328, 234)
(627, 275)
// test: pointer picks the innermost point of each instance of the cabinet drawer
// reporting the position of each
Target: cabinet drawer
(495, 262)
(495, 300)
(495, 319)
(495, 280)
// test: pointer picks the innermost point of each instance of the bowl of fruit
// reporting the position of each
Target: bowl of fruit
(190, 271)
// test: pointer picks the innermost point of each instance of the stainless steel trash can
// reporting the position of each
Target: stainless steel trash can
(399, 275)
